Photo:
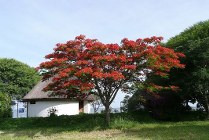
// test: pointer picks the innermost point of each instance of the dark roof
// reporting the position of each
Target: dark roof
(37, 93)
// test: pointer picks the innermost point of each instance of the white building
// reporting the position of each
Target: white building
(19, 109)
(40, 103)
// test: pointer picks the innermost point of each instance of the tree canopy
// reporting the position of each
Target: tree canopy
(5, 106)
(85, 66)
(194, 79)
(196, 32)
(16, 78)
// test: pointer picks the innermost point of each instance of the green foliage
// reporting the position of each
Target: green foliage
(167, 106)
(164, 105)
(196, 32)
(136, 101)
(5, 107)
(124, 107)
(194, 79)
(16, 78)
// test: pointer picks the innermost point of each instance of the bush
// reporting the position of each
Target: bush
(52, 112)
(5, 107)
(168, 107)
(165, 105)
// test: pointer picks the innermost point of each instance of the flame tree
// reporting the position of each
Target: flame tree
(86, 66)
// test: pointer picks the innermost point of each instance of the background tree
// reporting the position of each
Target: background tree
(84, 66)
(16, 78)
(161, 104)
(124, 104)
(96, 104)
(5, 106)
(194, 79)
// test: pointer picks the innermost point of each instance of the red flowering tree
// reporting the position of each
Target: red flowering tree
(86, 66)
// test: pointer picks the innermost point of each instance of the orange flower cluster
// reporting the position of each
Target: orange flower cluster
(82, 62)
(84, 71)
(115, 75)
(130, 67)
(152, 88)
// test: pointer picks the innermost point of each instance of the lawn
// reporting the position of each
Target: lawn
(123, 126)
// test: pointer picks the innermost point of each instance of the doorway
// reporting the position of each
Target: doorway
(81, 106)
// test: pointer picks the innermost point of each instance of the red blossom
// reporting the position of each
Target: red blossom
(132, 67)
(82, 64)
(117, 75)
(86, 70)
(174, 88)
(80, 37)
(98, 75)
(113, 47)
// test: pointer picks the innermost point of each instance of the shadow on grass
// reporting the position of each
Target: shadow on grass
(136, 125)
(51, 125)
(81, 123)
(163, 131)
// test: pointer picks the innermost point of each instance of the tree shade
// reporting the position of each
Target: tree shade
(194, 79)
(16, 78)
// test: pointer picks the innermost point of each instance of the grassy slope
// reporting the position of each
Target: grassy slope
(123, 126)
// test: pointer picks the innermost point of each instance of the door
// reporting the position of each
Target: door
(81, 106)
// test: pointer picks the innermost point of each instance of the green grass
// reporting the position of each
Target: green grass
(92, 126)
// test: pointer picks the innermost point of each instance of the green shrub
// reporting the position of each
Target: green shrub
(5, 107)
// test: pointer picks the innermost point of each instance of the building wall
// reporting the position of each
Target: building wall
(41, 108)
(87, 107)
(18, 109)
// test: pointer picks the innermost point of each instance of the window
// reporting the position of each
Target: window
(32, 102)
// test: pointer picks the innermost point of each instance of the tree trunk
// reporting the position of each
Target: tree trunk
(107, 114)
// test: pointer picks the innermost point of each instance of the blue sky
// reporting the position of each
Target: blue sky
(29, 29)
